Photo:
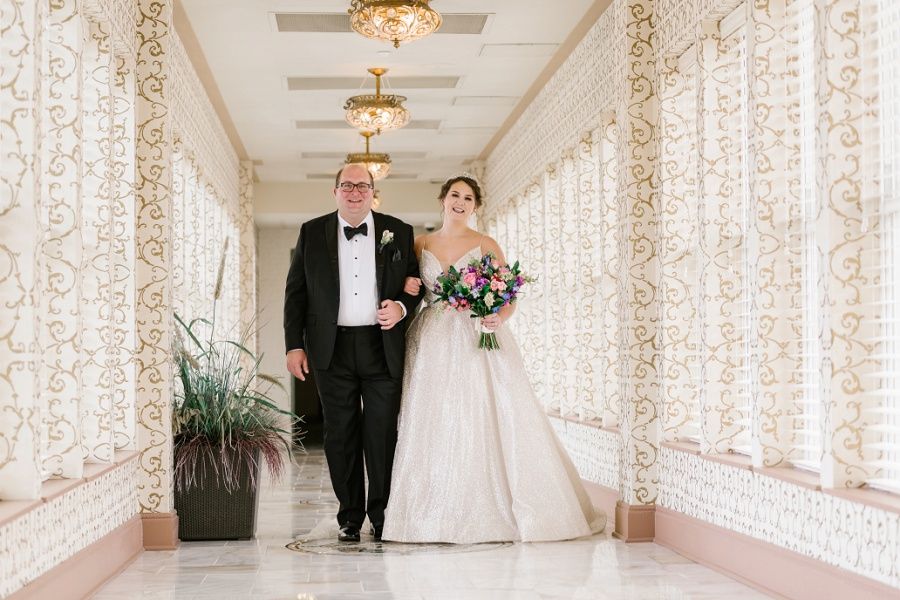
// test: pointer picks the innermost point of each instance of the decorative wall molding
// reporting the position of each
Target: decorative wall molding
(571, 104)
(678, 22)
(778, 572)
(61, 526)
(121, 15)
(196, 124)
(595, 452)
(850, 535)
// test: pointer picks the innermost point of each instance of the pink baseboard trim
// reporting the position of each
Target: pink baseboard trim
(762, 565)
(635, 522)
(602, 497)
(79, 576)
(160, 531)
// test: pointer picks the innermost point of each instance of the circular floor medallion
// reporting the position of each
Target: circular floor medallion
(369, 546)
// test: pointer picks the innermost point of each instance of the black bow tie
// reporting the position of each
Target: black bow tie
(351, 231)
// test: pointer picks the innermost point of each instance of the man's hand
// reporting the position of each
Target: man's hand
(389, 314)
(412, 286)
(298, 364)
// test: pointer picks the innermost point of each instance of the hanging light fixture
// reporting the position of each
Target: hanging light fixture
(379, 164)
(379, 112)
(396, 21)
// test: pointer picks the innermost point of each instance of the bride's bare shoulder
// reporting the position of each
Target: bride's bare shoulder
(490, 246)
(420, 242)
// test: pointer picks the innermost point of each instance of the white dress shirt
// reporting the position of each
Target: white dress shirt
(356, 263)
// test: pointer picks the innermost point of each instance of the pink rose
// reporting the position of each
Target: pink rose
(470, 278)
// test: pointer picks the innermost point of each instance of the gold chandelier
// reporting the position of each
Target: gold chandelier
(379, 164)
(378, 112)
(396, 21)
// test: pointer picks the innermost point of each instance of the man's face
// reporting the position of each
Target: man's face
(354, 204)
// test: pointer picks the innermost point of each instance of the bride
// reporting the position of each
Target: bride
(477, 459)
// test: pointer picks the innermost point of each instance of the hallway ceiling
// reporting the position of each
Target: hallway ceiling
(284, 90)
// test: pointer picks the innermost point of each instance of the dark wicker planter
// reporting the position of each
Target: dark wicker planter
(209, 512)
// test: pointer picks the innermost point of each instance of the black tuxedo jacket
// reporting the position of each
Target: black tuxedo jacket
(312, 293)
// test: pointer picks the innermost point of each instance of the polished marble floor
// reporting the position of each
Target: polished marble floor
(599, 567)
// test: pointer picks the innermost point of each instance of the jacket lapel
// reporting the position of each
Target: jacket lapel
(331, 244)
(379, 256)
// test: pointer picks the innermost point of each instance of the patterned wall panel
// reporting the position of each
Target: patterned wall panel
(608, 272)
(532, 308)
(20, 476)
(779, 337)
(638, 152)
(844, 234)
(552, 281)
(153, 259)
(564, 341)
(247, 233)
(60, 196)
(123, 249)
(96, 294)
(589, 241)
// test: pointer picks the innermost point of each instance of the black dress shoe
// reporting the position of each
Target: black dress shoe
(349, 533)
(376, 532)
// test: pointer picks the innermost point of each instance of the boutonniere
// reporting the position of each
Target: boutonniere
(387, 238)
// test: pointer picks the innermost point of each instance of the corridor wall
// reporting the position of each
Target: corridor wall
(119, 191)
(708, 197)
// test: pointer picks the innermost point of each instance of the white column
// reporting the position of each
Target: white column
(154, 254)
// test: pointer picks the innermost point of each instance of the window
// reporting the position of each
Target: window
(882, 442)
(724, 211)
(806, 446)
(679, 318)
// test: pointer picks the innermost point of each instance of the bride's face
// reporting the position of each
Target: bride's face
(459, 202)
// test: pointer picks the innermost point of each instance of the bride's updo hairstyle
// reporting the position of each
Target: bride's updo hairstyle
(468, 180)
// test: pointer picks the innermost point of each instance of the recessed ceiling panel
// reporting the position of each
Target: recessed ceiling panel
(467, 24)
(341, 155)
(336, 124)
(296, 84)
(517, 50)
(485, 100)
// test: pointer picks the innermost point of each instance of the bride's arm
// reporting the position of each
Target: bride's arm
(489, 245)
(413, 284)
(419, 244)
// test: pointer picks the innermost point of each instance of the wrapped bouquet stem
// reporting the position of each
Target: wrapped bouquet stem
(487, 340)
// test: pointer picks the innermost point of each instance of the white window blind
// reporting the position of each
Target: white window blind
(733, 30)
(808, 395)
(882, 440)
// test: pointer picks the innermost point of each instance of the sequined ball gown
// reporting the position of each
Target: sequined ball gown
(477, 459)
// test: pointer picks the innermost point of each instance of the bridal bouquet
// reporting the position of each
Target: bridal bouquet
(483, 287)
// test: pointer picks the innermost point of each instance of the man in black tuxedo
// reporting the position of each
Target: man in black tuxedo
(345, 316)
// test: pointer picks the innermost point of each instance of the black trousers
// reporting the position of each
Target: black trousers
(360, 404)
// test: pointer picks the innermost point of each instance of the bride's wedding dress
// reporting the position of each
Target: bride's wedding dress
(477, 459)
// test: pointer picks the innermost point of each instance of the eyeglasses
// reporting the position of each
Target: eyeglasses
(362, 188)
